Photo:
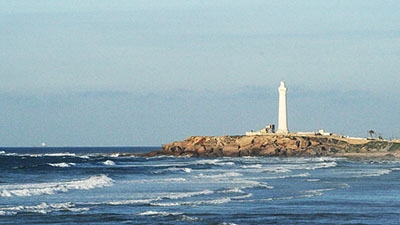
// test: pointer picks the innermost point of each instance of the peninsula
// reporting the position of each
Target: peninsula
(267, 142)
(282, 145)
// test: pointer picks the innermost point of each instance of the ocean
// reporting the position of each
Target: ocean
(103, 186)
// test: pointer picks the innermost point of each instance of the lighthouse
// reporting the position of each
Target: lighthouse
(282, 116)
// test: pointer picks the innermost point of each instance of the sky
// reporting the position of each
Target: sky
(146, 72)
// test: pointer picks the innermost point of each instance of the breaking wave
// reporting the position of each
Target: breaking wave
(216, 162)
(178, 216)
(109, 163)
(43, 208)
(180, 195)
(62, 165)
(369, 173)
(255, 166)
(55, 187)
(217, 201)
(219, 176)
(176, 169)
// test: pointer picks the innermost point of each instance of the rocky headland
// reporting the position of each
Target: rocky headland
(290, 145)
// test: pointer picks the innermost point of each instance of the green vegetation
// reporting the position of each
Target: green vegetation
(394, 147)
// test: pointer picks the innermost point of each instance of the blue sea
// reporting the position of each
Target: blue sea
(104, 186)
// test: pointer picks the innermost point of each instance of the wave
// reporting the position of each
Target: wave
(40, 155)
(219, 176)
(249, 195)
(55, 187)
(164, 180)
(216, 162)
(370, 173)
(109, 163)
(217, 201)
(180, 195)
(323, 165)
(43, 208)
(186, 170)
(156, 213)
(317, 192)
(285, 168)
(276, 170)
(179, 216)
(289, 176)
(255, 166)
(131, 202)
(173, 170)
(365, 173)
(62, 165)
(232, 190)
(249, 184)
(313, 180)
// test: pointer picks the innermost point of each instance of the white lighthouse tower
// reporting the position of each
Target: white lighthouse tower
(282, 116)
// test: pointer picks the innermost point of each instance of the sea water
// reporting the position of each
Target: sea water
(102, 186)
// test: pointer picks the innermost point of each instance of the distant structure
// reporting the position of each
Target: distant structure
(319, 132)
(269, 129)
(282, 116)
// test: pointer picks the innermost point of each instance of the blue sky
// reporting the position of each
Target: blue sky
(117, 73)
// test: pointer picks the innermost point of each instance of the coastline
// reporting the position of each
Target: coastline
(278, 145)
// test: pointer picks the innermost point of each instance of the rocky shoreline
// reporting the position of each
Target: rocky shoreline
(275, 145)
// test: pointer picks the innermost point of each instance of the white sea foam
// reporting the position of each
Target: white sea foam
(131, 202)
(289, 176)
(313, 180)
(276, 170)
(63, 154)
(179, 216)
(2, 152)
(180, 195)
(304, 165)
(54, 187)
(219, 176)
(156, 213)
(232, 190)
(166, 204)
(323, 165)
(189, 218)
(217, 201)
(63, 165)
(109, 163)
(216, 162)
(255, 166)
(365, 172)
(249, 195)
(317, 192)
(248, 184)
(115, 155)
(371, 173)
(175, 169)
(166, 180)
(43, 208)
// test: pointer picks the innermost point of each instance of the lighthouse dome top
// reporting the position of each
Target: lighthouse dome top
(282, 87)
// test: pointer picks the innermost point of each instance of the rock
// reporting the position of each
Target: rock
(274, 145)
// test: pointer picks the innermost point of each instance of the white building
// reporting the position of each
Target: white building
(282, 116)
